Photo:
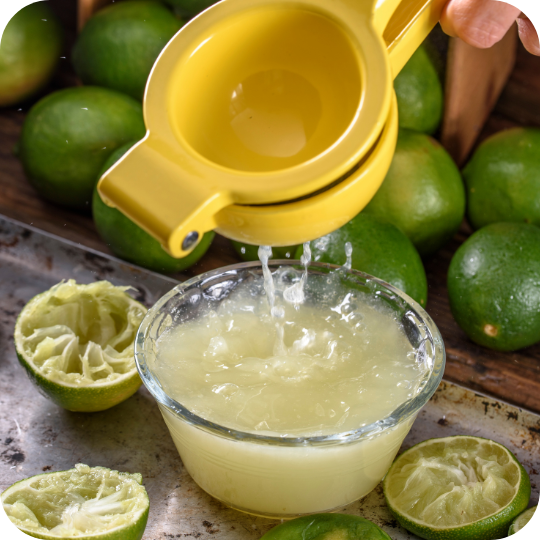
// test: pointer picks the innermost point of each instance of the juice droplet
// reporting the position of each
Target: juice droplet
(306, 256)
(265, 252)
(348, 254)
(295, 293)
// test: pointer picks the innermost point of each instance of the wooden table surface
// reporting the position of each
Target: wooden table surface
(513, 377)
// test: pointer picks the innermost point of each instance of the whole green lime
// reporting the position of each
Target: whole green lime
(68, 135)
(422, 194)
(249, 252)
(503, 179)
(327, 527)
(190, 8)
(29, 52)
(494, 286)
(129, 242)
(379, 249)
(419, 93)
(119, 45)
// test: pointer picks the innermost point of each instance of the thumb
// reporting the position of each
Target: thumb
(480, 23)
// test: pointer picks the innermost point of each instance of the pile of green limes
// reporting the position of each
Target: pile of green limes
(71, 136)
(494, 277)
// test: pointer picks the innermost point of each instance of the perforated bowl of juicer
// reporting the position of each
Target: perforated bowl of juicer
(273, 122)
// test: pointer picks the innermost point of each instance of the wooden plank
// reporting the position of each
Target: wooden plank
(474, 81)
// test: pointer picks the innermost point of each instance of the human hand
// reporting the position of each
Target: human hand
(482, 23)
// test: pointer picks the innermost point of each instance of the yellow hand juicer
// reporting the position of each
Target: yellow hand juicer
(273, 122)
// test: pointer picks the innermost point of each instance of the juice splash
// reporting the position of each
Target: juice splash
(291, 356)
(295, 293)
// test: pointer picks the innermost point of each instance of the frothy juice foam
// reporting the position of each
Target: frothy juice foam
(285, 356)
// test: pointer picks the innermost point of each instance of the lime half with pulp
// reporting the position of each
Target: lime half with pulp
(85, 503)
(521, 521)
(457, 488)
(77, 344)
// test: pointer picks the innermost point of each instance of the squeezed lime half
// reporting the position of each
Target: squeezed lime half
(457, 488)
(76, 343)
(84, 503)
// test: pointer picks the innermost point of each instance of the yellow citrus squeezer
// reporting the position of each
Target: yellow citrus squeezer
(273, 122)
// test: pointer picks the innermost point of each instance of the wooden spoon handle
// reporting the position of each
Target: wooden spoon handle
(475, 79)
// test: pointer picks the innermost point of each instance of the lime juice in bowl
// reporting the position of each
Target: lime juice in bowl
(292, 400)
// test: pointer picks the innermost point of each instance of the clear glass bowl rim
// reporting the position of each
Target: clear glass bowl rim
(401, 414)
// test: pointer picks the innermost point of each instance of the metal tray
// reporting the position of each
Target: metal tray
(36, 435)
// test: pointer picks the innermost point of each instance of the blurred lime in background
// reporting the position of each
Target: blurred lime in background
(68, 135)
(29, 52)
(419, 92)
(379, 249)
(423, 193)
(120, 43)
(503, 179)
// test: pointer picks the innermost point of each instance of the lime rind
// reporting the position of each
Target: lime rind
(83, 502)
(521, 521)
(327, 527)
(457, 487)
(77, 344)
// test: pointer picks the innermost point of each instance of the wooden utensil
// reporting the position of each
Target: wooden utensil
(475, 79)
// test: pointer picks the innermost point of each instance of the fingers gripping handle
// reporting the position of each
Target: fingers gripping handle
(154, 192)
(404, 24)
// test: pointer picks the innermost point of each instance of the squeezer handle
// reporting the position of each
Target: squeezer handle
(147, 201)
(404, 24)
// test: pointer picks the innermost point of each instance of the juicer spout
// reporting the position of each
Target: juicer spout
(152, 191)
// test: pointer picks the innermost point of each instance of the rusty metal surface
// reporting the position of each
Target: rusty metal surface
(36, 435)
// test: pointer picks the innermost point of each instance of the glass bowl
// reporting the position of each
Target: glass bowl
(284, 477)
